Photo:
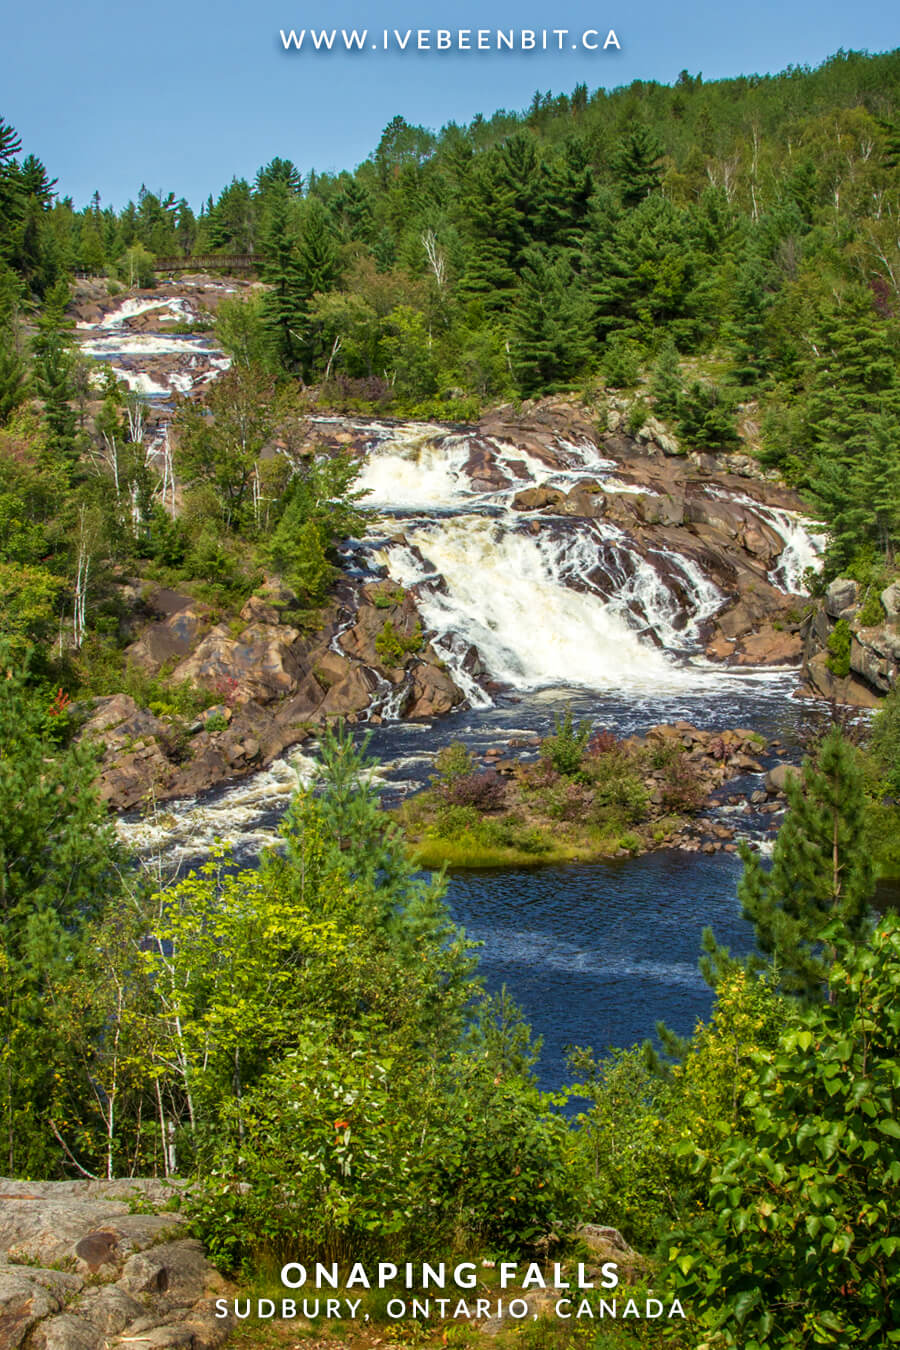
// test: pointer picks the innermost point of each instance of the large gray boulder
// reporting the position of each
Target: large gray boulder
(842, 594)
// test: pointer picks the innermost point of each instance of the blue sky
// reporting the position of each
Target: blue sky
(185, 94)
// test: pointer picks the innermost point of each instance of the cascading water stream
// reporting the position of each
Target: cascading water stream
(545, 600)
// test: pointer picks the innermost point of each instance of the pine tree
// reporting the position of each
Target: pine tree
(53, 367)
(57, 866)
(284, 306)
(394, 900)
(665, 381)
(13, 376)
(821, 881)
(746, 329)
(636, 165)
(317, 271)
(550, 324)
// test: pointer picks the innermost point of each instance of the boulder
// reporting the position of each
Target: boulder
(537, 498)
(778, 775)
(68, 1332)
(351, 694)
(822, 683)
(585, 501)
(259, 664)
(770, 647)
(137, 1283)
(433, 693)
(842, 594)
(169, 639)
(890, 598)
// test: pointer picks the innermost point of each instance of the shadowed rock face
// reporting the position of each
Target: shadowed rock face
(76, 1267)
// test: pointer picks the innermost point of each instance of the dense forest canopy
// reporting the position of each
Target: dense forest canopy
(732, 242)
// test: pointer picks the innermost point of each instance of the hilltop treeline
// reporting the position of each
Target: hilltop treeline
(713, 245)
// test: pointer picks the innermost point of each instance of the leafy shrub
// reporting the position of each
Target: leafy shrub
(820, 1162)
(393, 646)
(603, 742)
(388, 599)
(839, 643)
(682, 788)
(485, 790)
(871, 611)
(637, 416)
(565, 748)
(451, 762)
(885, 740)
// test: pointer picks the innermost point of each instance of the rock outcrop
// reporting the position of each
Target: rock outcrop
(79, 1270)
(845, 658)
(273, 684)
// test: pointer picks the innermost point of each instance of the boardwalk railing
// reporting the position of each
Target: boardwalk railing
(211, 262)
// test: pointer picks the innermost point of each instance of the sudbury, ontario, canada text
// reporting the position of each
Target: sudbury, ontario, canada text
(449, 39)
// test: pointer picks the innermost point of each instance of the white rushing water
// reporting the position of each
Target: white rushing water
(545, 601)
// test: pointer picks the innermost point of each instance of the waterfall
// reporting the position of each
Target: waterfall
(509, 593)
(545, 600)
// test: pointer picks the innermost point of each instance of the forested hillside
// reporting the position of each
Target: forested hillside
(735, 242)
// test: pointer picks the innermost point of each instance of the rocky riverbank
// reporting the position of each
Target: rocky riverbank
(88, 1265)
(851, 643)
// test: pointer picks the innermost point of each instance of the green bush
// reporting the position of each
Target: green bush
(871, 612)
(392, 646)
(565, 748)
(706, 418)
(798, 1238)
(839, 642)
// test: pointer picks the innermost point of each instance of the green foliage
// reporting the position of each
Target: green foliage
(665, 381)
(798, 1240)
(839, 642)
(393, 646)
(820, 885)
(57, 863)
(706, 418)
(643, 1130)
(565, 748)
(871, 611)
(136, 267)
(885, 741)
(451, 762)
(317, 508)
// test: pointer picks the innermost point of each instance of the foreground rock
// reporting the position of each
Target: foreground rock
(80, 1271)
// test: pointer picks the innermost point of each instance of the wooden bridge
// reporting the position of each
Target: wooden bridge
(212, 262)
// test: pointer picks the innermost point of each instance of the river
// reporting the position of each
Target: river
(530, 611)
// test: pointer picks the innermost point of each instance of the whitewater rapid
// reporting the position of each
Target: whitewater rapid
(543, 601)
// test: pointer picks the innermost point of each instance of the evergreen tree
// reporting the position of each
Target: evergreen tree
(746, 328)
(53, 368)
(636, 165)
(57, 866)
(317, 271)
(821, 882)
(665, 381)
(281, 175)
(394, 901)
(12, 376)
(284, 306)
(550, 324)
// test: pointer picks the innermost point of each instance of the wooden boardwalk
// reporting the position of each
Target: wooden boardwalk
(211, 262)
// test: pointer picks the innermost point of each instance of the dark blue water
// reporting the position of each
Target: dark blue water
(595, 955)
